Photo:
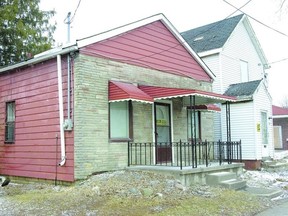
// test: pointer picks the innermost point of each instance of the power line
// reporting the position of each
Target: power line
(267, 26)
(285, 59)
(69, 21)
(75, 11)
(214, 26)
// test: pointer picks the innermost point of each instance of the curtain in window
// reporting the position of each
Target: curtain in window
(10, 122)
(119, 120)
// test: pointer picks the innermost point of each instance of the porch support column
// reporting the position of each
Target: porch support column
(193, 130)
(228, 122)
(228, 127)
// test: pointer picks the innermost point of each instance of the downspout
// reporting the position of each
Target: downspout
(68, 124)
(61, 113)
(68, 88)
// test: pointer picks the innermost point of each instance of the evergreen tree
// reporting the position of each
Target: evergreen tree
(24, 30)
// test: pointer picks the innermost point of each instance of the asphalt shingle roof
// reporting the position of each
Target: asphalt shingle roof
(243, 90)
(211, 36)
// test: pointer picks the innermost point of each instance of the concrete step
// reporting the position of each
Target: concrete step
(225, 179)
(234, 184)
(264, 192)
(216, 178)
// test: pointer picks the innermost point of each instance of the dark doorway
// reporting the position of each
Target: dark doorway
(163, 132)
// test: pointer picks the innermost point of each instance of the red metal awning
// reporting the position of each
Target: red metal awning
(207, 107)
(120, 91)
(201, 97)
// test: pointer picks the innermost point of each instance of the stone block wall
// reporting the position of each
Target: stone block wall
(93, 150)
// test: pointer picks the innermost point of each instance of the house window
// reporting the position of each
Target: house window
(120, 121)
(10, 122)
(264, 128)
(244, 71)
(196, 119)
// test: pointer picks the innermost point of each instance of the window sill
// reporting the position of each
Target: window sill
(117, 140)
(9, 142)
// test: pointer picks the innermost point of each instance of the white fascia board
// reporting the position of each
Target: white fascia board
(117, 31)
(279, 116)
(210, 52)
(255, 42)
(40, 58)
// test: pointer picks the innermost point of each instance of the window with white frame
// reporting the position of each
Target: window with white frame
(10, 122)
(120, 120)
(264, 127)
(244, 71)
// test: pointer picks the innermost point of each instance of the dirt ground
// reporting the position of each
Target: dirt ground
(135, 193)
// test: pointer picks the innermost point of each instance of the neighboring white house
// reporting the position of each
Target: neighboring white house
(231, 50)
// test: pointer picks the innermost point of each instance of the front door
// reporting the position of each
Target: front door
(163, 132)
(264, 134)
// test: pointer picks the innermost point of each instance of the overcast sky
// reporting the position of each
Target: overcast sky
(95, 16)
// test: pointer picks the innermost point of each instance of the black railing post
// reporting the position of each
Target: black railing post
(128, 153)
(177, 153)
(136, 162)
(220, 152)
(240, 144)
(206, 152)
(180, 154)
(151, 153)
(140, 153)
(145, 154)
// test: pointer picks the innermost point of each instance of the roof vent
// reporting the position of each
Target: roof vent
(198, 38)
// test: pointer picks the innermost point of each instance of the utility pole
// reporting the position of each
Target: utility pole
(68, 22)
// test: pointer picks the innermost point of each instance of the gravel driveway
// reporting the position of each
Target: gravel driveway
(138, 193)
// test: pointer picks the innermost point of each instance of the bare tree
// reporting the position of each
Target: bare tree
(283, 7)
(284, 102)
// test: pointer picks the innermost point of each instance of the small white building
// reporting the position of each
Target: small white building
(232, 51)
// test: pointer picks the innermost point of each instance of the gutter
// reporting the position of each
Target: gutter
(41, 57)
(61, 112)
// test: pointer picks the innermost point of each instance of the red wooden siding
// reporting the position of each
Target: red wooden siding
(36, 151)
(152, 46)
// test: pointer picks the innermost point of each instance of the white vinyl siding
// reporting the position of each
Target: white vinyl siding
(263, 103)
(242, 127)
(214, 63)
(240, 47)
(244, 71)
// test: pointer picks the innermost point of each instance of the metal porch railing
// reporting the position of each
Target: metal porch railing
(184, 154)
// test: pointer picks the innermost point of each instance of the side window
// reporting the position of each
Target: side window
(120, 121)
(10, 122)
(197, 123)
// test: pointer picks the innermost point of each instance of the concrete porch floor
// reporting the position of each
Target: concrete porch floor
(188, 175)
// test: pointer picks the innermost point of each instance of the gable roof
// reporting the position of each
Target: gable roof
(243, 91)
(152, 42)
(211, 36)
(279, 112)
(111, 34)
